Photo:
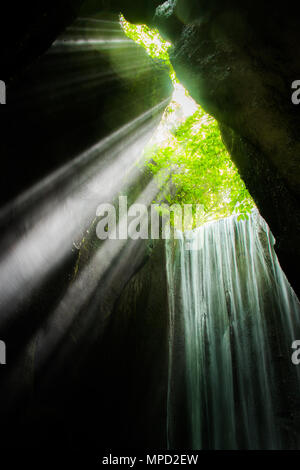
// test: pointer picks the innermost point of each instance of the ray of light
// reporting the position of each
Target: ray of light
(93, 80)
(83, 288)
(84, 28)
(85, 43)
(70, 169)
(43, 245)
(98, 20)
(48, 338)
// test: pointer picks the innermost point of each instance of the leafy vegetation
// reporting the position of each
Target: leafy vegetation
(201, 170)
(190, 162)
(151, 40)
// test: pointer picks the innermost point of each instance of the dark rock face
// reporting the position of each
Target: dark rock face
(242, 75)
(78, 111)
(28, 30)
(135, 350)
(278, 205)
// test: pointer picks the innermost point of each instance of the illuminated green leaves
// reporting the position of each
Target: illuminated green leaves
(201, 169)
(192, 152)
(151, 40)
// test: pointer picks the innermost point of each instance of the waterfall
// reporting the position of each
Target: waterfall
(233, 318)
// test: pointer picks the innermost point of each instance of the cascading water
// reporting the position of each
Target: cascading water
(233, 318)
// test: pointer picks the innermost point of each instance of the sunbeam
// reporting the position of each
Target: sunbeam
(84, 287)
(64, 217)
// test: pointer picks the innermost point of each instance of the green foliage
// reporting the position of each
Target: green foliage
(194, 167)
(191, 163)
(151, 40)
